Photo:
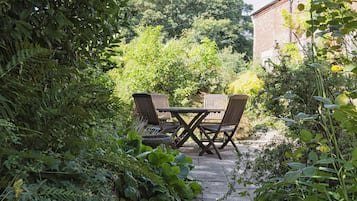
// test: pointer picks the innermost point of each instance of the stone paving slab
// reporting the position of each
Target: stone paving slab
(215, 175)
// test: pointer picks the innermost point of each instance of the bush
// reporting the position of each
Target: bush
(177, 68)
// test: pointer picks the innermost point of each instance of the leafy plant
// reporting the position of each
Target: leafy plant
(322, 166)
(177, 68)
(171, 166)
(246, 83)
(227, 23)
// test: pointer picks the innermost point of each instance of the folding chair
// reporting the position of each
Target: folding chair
(215, 101)
(228, 125)
(161, 101)
(147, 112)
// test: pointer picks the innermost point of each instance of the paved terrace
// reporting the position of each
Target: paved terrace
(216, 176)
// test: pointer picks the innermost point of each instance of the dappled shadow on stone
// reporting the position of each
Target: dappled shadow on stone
(219, 178)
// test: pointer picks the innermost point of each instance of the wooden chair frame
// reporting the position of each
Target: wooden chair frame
(147, 112)
(228, 125)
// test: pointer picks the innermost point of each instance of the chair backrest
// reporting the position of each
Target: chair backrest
(161, 100)
(145, 107)
(215, 101)
(234, 110)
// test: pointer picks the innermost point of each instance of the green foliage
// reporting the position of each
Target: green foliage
(226, 22)
(246, 83)
(292, 51)
(177, 68)
(62, 131)
(167, 178)
(321, 166)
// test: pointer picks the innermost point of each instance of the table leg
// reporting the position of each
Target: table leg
(189, 129)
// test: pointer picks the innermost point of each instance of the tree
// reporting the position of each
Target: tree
(178, 68)
(56, 104)
(225, 22)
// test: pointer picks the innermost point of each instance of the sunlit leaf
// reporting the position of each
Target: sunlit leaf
(324, 148)
(196, 188)
(305, 135)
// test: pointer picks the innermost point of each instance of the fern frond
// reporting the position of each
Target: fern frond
(23, 56)
(60, 194)
(6, 105)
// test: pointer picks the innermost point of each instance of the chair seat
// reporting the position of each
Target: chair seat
(215, 127)
(170, 126)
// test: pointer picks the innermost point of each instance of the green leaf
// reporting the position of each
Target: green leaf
(318, 137)
(292, 176)
(331, 106)
(326, 161)
(309, 171)
(196, 188)
(182, 158)
(354, 157)
(184, 170)
(315, 65)
(130, 180)
(170, 171)
(296, 166)
(132, 193)
(348, 166)
(287, 120)
(313, 156)
(290, 95)
(323, 99)
(305, 135)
